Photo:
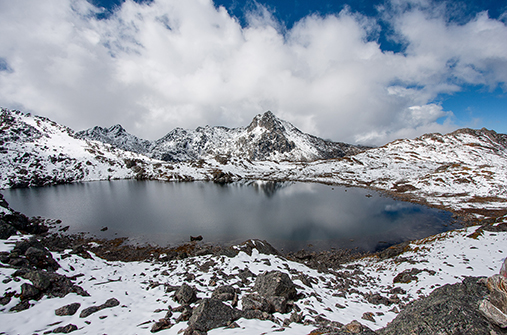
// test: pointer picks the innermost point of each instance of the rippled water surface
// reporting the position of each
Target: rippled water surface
(288, 215)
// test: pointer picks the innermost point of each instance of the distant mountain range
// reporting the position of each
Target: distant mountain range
(464, 171)
(267, 138)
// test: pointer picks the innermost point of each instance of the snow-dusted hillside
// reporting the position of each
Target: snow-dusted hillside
(464, 170)
(267, 138)
(118, 137)
(35, 151)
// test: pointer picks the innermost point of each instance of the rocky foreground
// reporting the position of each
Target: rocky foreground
(51, 283)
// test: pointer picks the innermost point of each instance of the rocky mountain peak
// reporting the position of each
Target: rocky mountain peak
(268, 121)
(117, 130)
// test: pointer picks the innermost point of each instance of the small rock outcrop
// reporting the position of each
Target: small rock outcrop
(450, 309)
(212, 313)
(113, 302)
(494, 307)
(185, 294)
(69, 309)
(275, 283)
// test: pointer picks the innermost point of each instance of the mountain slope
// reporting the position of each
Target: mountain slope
(116, 136)
(35, 151)
(465, 170)
(267, 138)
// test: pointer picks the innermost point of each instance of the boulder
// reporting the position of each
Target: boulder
(6, 230)
(70, 309)
(212, 313)
(494, 307)
(185, 294)
(275, 283)
(224, 293)
(29, 292)
(450, 309)
(93, 309)
(255, 302)
(65, 329)
(161, 325)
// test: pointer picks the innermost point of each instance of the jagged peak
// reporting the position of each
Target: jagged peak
(268, 120)
(117, 129)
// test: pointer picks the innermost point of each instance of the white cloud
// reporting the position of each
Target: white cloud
(153, 67)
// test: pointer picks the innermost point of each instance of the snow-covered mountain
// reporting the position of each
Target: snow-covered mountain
(118, 137)
(35, 151)
(267, 138)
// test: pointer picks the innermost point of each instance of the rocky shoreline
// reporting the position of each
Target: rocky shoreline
(280, 291)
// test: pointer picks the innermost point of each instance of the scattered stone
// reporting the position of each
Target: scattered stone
(65, 329)
(29, 292)
(185, 294)
(255, 302)
(93, 309)
(6, 230)
(278, 304)
(70, 309)
(212, 313)
(21, 306)
(369, 316)
(224, 293)
(161, 325)
(377, 299)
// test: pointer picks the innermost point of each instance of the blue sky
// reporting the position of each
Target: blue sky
(363, 71)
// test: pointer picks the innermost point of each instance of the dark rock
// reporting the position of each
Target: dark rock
(186, 313)
(35, 253)
(70, 309)
(275, 283)
(65, 329)
(50, 283)
(93, 309)
(262, 247)
(29, 292)
(224, 293)
(278, 304)
(196, 238)
(255, 302)
(161, 325)
(21, 306)
(40, 279)
(6, 230)
(185, 294)
(369, 316)
(256, 314)
(212, 313)
(378, 299)
(450, 309)
(355, 327)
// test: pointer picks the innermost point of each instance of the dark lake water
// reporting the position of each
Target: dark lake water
(288, 215)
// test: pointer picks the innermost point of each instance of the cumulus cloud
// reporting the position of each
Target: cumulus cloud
(165, 64)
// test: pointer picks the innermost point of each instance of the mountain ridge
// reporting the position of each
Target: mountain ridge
(265, 138)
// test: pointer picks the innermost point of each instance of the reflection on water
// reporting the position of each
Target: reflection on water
(288, 215)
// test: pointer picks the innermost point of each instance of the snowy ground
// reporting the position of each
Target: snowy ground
(339, 295)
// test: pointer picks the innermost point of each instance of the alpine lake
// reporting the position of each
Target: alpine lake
(289, 215)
